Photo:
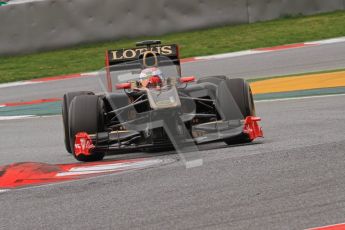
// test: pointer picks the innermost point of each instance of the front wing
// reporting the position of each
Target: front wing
(123, 141)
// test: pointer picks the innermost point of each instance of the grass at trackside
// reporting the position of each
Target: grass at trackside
(196, 43)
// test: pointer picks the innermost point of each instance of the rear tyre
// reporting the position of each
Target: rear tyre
(67, 99)
(86, 115)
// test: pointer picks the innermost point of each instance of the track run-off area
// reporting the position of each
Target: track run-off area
(291, 179)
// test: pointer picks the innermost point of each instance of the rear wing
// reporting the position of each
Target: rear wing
(114, 57)
(125, 59)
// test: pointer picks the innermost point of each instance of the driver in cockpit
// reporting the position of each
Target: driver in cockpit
(151, 77)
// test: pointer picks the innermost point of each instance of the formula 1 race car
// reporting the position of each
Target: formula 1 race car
(148, 106)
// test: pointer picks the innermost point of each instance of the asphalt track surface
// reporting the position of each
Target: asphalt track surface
(292, 179)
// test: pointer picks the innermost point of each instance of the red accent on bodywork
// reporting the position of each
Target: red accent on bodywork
(83, 144)
(107, 68)
(123, 86)
(252, 128)
(187, 79)
(178, 51)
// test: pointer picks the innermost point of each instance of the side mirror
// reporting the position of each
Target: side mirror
(126, 85)
(187, 79)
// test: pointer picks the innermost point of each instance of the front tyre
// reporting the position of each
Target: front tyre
(86, 115)
(67, 99)
(243, 96)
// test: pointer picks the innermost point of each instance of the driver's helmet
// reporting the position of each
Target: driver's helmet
(152, 75)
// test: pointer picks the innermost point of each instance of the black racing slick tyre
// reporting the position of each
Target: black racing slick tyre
(86, 115)
(67, 99)
(240, 91)
(242, 94)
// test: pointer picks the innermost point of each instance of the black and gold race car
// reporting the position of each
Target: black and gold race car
(148, 106)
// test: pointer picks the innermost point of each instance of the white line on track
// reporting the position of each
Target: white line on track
(327, 41)
(6, 118)
(18, 83)
(164, 161)
(96, 169)
(230, 55)
(90, 74)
